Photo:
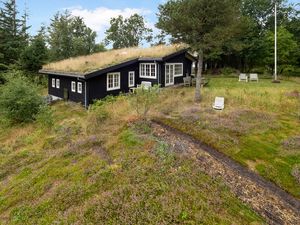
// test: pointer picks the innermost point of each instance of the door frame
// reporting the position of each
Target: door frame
(171, 74)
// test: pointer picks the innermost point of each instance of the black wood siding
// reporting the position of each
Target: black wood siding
(65, 82)
(96, 86)
(187, 65)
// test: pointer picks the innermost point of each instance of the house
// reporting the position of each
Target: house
(86, 78)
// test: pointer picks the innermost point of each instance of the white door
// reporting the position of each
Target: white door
(169, 75)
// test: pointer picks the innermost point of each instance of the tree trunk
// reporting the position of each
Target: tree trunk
(198, 77)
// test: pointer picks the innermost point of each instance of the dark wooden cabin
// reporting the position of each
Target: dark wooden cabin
(85, 88)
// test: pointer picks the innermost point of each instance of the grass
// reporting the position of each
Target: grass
(89, 63)
(260, 126)
(105, 166)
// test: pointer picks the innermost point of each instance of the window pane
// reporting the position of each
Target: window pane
(178, 69)
(57, 83)
(153, 70)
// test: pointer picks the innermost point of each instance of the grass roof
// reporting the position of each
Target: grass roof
(101, 60)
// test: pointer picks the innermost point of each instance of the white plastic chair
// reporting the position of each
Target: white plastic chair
(253, 77)
(145, 84)
(187, 81)
(219, 103)
(243, 77)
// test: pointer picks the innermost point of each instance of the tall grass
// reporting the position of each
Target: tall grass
(113, 171)
(257, 120)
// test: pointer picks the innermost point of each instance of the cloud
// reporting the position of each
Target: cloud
(98, 19)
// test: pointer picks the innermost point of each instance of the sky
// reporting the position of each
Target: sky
(96, 13)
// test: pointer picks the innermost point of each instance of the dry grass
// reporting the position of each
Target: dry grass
(102, 165)
(85, 64)
(259, 126)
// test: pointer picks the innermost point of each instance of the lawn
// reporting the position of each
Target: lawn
(105, 167)
(260, 126)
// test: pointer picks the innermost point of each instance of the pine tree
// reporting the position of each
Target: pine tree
(13, 33)
(36, 53)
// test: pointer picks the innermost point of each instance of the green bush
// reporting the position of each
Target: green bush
(19, 100)
(143, 99)
(45, 117)
(228, 71)
(259, 70)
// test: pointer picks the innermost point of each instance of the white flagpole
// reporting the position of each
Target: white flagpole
(275, 63)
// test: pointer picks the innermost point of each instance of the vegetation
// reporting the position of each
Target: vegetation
(259, 126)
(35, 55)
(184, 21)
(13, 33)
(126, 33)
(19, 100)
(143, 99)
(69, 37)
(116, 172)
(84, 64)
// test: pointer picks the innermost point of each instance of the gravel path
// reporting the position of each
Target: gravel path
(267, 199)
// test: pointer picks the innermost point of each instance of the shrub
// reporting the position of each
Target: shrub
(228, 71)
(99, 111)
(19, 100)
(259, 70)
(45, 117)
(143, 99)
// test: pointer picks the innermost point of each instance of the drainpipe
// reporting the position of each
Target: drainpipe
(85, 98)
(158, 72)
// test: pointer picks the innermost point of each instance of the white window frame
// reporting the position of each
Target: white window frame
(174, 66)
(53, 83)
(57, 83)
(131, 73)
(79, 87)
(181, 74)
(119, 81)
(73, 86)
(143, 71)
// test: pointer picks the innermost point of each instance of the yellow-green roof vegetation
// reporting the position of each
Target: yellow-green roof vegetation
(101, 60)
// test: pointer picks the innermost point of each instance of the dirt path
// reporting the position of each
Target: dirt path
(267, 199)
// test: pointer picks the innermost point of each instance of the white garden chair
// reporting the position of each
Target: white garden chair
(219, 103)
(187, 81)
(243, 77)
(145, 84)
(253, 77)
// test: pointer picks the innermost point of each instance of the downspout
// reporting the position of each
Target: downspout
(158, 72)
(85, 98)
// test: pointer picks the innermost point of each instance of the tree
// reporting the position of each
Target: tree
(13, 33)
(287, 50)
(100, 47)
(204, 25)
(69, 37)
(124, 33)
(36, 54)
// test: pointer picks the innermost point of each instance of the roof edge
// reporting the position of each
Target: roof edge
(62, 73)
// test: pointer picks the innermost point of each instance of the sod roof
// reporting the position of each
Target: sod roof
(98, 61)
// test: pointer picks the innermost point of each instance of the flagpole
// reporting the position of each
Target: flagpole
(275, 63)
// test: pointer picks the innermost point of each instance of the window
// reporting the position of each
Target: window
(113, 81)
(79, 87)
(131, 79)
(57, 83)
(148, 70)
(53, 82)
(178, 71)
(73, 86)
